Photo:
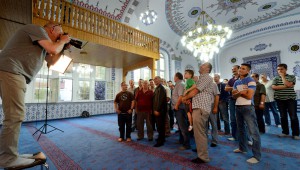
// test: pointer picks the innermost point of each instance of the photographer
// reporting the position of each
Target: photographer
(20, 60)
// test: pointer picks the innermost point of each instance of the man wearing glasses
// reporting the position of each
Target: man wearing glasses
(21, 59)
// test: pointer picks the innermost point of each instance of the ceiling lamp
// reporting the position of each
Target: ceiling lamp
(149, 16)
(206, 39)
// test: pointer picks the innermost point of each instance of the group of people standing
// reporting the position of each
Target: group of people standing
(202, 99)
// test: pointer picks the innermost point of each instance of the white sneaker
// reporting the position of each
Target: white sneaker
(19, 162)
(283, 135)
(296, 137)
(250, 143)
(231, 139)
(38, 155)
(190, 128)
(253, 160)
(279, 126)
(238, 151)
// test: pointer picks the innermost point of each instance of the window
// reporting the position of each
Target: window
(65, 90)
(100, 72)
(84, 70)
(161, 66)
(83, 90)
(40, 90)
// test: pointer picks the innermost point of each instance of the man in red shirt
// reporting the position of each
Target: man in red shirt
(143, 100)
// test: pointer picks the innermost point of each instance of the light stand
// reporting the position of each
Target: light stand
(43, 129)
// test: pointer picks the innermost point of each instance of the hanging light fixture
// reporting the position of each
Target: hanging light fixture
(149, 16)
(206, 39)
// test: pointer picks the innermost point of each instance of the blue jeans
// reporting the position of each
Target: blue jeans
(234, 132)
(246, 114)
(284, 107)
(272, 106)
(223, 109)
(182, 122)
(214, 132)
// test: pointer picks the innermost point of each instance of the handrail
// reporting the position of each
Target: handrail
(83, 19)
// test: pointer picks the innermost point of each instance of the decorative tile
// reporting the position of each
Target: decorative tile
(264, 63)
(100, 90)
(37, 112)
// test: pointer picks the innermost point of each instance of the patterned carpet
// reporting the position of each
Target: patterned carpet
(91, 143)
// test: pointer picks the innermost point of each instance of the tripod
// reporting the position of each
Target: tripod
(43, 129)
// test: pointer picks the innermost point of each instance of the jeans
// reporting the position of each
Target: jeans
(182, 122)
(246, 114)
(223, 109)
(272, 106)
(214, 132)
(125, 119)
(233, 124)
(290, 106)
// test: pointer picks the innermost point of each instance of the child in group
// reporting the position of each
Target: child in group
(189, 86)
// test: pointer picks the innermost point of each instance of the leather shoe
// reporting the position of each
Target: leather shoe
(35, 163)
(38, 155)
(158, 145)
(198, 161)
(213, 145)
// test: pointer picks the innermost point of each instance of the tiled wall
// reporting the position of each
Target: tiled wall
(36, 111)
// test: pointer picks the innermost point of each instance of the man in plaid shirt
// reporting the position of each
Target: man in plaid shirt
(201, 105)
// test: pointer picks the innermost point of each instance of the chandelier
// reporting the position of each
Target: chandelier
(149, 16)
(206, 39)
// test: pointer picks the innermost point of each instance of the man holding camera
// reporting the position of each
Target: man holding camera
(21, 59)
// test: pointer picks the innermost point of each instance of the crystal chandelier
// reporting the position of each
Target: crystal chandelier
(206, 39)
(149, 16)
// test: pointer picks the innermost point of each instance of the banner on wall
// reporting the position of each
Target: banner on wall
(264, 63)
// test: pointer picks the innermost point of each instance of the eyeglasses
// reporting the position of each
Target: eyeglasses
(56, 25)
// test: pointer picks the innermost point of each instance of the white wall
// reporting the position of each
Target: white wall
(279, 42)
(189, 60)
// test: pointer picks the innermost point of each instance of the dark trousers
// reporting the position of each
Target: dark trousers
(171, 115)
(161, 128)
(285, 107)
(260, 120)
(134, 120)
(182, 121)
(125, 119)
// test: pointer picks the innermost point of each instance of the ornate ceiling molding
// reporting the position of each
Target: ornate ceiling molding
(116, 14)
(268, 29)
(175, 17)
(274, 13)
(229, 5)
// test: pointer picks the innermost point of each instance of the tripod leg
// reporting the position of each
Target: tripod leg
(39, 130)
(55, 128)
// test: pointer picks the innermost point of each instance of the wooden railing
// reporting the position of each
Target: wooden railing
(88, 21)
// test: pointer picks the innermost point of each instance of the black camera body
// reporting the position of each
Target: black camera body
(75, 43)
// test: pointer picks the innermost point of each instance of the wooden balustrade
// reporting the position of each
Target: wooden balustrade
(88, 21)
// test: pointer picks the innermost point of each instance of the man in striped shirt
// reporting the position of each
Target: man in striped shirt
(285, 96)
(243, 91)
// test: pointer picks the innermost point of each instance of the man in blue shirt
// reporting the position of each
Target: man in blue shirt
(243, 91)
